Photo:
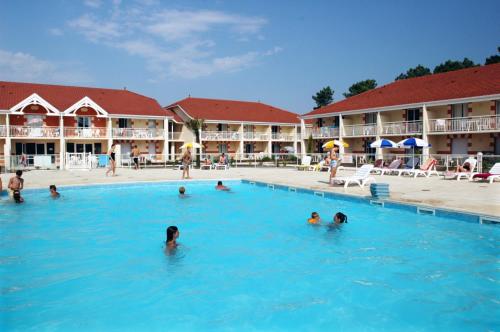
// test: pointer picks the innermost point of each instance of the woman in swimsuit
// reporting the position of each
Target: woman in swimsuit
(186, 162)
(172, 235)
(112, 160)
(333, 163)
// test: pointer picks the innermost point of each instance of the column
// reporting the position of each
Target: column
(8, 143)
(270, 141)
(166, 138)
(110, 132)
(303, 138)
(242, 147)
(425, 131)
(341, 135)
(295, 140)
(378, 152)
(62, 143)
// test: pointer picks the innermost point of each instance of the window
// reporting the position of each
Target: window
(83, 122)
(248, 128)
(274, 129)
(222, 127)
(97, 148)
(413, 114)
(459, 110)
(152, 148)
(497, 112)
(151, 124)
(123, 123)
(370, 118)
(275, 148)
(248, 148)
(222, 148)
(70, 147)
(34, 121)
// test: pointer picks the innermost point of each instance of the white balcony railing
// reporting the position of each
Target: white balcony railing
(41, 132)
(137, 133)
(257, 136)
(174, 136)
(325, 132)
(467, 124)
(282, 137)
(85, 132)
(402, 128)
(3, 131)
(360, 130)
(220, 135)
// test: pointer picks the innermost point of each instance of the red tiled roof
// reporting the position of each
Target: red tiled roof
(112, 101)
(231, 110)
(465, 83)
(176, 116)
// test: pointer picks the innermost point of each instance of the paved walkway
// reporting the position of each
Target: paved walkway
(459, 195)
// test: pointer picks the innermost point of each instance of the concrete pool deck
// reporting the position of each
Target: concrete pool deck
(476, 197)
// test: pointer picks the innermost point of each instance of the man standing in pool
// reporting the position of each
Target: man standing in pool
(16, 183)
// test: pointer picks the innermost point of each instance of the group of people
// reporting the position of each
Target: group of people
(16, 184)
(338, 218)
(187, 160)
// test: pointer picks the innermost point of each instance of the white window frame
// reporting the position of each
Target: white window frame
(222, 147)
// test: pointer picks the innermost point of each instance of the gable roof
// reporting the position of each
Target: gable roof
(114, 101)
(465, 83)
(232, 110)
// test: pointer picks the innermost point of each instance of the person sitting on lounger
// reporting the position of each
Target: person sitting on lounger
(465, 168)
(315, 218)
(222, 159)
(53, 191)
(207, 161)
(222, 187)
(182, 192)
(172, 235)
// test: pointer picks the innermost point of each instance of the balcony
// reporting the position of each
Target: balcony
(257, 136)
(138, 133)
(465, 125)
(85, 132)
(3, 131)
(174, 136)
(34, 132)
(360, 130)
(402, 128)
(282, 137)
(220, 135)
(325, 132)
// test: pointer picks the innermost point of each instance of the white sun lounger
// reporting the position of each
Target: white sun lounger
(306, 164)
(361, 178)
(491, 176)
(427, 169)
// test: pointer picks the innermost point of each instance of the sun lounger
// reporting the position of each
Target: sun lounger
(493, 174)
(410, 165)
(361, 178)
(207, 166)
(428, 168)
(306, 164)
(394, 165)
(378, 165)
(459, 175)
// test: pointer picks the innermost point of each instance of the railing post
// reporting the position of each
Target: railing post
(479, 162)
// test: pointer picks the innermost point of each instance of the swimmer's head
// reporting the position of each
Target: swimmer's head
(172, 233)
(219, 183)
(340, 218)
(314, 215)
(182, 190)
(19, 172)
(52, 188)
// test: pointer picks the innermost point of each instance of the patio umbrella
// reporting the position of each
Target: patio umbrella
(383, 143)
(413, 142)
(331, 144)
(191, 145)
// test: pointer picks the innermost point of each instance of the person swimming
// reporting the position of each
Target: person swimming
(172, 235)
(220, 186)
(315, 218)
(182, 192)
(53, 191)
(339, 218)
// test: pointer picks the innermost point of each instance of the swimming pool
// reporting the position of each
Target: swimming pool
(95, 260)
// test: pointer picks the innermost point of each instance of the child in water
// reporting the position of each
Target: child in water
(172, 235)
(315, 218)
(53, 191)
(182, 192)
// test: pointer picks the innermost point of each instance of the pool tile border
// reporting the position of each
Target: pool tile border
(387, 203)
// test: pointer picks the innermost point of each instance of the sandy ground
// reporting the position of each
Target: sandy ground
(458, 195)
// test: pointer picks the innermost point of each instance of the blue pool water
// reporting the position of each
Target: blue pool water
(95, 260)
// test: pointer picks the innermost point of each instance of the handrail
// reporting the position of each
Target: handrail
(137, 132)
(401, 127)
(262, 136)
(465, 124)
(360, 130)
(220, 135)
(95, 132)
(26, 131)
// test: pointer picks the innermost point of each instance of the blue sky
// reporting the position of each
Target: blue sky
(278, 52)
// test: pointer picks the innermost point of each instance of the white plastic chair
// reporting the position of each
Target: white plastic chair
(361, 178)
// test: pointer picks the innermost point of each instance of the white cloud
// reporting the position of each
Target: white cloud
(93, 3)
(25, 67)
(56, 32)
(181, 43)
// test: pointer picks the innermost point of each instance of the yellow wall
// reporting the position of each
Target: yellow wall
(353, 119)
(2, 143)
(438, 112)
(2, 119)
(140, 123)
(287, 130)
(392, 116)
(481, 143)
(479, 109)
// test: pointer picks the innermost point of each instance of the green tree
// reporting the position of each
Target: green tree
(360, 87)
(493, 59)
(323, 97)
(451, 65)
(310, 144)
(414, 72)
(195, 126)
